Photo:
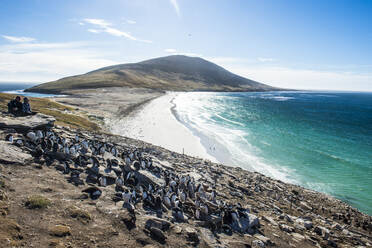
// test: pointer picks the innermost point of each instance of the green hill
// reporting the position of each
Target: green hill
(176, 73)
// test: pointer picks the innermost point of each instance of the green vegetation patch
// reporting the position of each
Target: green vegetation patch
(37, 201)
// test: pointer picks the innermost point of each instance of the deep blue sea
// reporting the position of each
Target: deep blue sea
(319, 140)
(17, 89)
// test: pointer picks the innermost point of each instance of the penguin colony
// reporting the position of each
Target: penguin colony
(108, 164)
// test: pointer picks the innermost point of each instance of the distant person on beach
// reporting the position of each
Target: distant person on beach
(15, 106)
(26, 107)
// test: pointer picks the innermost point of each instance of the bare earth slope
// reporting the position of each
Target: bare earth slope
(176, 73)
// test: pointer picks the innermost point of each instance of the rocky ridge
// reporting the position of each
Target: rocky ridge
(277, 214)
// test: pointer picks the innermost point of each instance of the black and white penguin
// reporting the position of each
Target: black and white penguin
(9, 138)
(136, 165)
(94, 192)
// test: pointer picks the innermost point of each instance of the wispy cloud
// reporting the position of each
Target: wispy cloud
(266, 59)
(231, 60)
(170, 50)
(290, 78)
(106, 27)
(173, 51)
(95, 31)
(176, 7)
(41, 62)
(131, 22)
(18, 39)
(99, 22)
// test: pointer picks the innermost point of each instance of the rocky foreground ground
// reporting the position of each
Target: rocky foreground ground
(40, 207)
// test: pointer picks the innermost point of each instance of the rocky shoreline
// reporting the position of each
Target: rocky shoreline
(280, 214)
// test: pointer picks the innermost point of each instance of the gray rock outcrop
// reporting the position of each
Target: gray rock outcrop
(26, 123)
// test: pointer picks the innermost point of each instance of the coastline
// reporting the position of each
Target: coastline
(286, 214)
(162, 128)
(200, 142)
(175, 134)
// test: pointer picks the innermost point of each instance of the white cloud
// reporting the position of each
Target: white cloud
(117, 32)
(170, 50)
(266, 59)
(41, 62)
(176, 7)
(106, 27)
(290, 78)
(131, 22)
(81, 23)
(95, 31)
(230, 60)
(99, 22)
(18, 39)
(175, 52)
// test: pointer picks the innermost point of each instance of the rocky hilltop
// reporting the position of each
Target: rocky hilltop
(63, 187)
(175, 73)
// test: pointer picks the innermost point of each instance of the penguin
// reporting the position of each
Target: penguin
(127, 196)
(66, 167)
(127, 161)
(182, 196)
(19, 142)
(114, 151)
(39, 134)
(167, 201)
(114, 162)
(9, 138)
(173, 198)
(31, 136)
(136, 165)
(143, 164)
(178, 215)
(102, 181)
(117, 197)
(94, 192)
(38, 152)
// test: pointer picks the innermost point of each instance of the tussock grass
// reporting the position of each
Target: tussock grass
(65, 115)
(78, 213)
(37, 201)
(60, 231)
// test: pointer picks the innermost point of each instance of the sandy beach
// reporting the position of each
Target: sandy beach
(155, 123)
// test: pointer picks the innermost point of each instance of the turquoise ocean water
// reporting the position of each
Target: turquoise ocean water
(18, 89)
(319, 140)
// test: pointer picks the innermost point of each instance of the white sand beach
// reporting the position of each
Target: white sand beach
(156, 124)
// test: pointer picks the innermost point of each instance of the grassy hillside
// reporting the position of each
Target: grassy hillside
(65, 115)
(177, 73)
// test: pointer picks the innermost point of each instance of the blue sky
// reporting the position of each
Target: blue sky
(293, 44)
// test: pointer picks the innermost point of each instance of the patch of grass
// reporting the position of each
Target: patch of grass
(52, 108)
(71, 120)
(79, 213)
(60, 231)
(37, 201)
(10, 232)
